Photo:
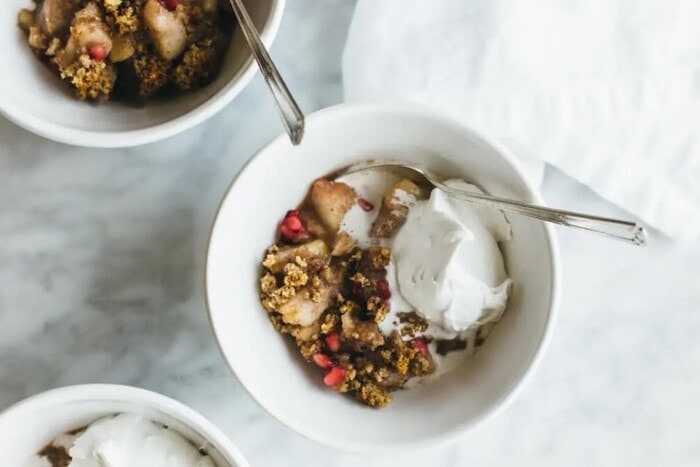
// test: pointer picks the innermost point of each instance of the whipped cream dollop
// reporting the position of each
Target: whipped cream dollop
(130, 440)
(448, 265)
(445, 262)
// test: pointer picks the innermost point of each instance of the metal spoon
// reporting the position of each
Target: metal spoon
(630, 232)
(291, 114)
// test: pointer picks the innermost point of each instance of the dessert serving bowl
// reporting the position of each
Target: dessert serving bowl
(269, 366)
(29, 425)
(33, 97)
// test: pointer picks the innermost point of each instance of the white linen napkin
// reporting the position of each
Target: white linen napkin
(606, 90)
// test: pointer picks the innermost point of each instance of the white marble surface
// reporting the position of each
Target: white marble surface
(101, 257)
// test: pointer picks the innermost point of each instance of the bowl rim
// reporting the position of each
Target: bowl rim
(138, 396)
(123, 139)
(444, 437)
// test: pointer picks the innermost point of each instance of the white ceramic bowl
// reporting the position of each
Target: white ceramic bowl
(31, 424)
(34, 97)
(268, 364)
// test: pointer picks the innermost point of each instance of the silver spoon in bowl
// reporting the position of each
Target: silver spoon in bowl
(630, 232)
(291, 114)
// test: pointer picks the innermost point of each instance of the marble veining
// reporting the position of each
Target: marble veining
(101, 280)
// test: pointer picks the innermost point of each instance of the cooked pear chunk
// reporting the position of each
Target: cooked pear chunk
(310, 252)
(395, 207)
(331, 200)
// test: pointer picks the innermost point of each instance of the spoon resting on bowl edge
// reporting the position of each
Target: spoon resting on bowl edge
(630, 232)
(289, 110)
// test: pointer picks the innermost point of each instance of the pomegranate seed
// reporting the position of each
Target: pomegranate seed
(383, 289)
(421, 346)
(333, 342)
(365, 205)
(170, 4)
(334, 376)
(292, 228)
(293, 223)
(97, 52)
(287, 232)
(322, 360)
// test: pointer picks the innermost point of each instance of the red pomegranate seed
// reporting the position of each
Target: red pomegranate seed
(365, 205)
(421, 346)
(293, 223)
(322, 360)
(97, 52)
(292, 228)
(287, 232)
(170, 4)
(383, 289)
(334, 376)
(333, 342)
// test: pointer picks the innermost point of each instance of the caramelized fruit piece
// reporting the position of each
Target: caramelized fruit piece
(331, 200)
(315, 250)
(54, 16)
(395, 206)
(313, 224)
(307, 305)
(342, 244)
(123, 48)
(88, 31)
(165, 28)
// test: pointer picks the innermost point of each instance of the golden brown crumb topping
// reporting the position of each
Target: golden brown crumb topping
(197, 65)
(332, 302)
(374, 395)
(413, 324)
(152, 74)
(121, 17)
(137, 49)
(91, 79)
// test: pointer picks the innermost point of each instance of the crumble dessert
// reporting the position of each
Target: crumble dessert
(129, 50)
(381, 282)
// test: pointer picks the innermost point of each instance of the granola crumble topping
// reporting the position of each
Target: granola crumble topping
(135, 49)
(332, 302)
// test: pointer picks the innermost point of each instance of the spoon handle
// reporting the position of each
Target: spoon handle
(291, 114)
(623, 230)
